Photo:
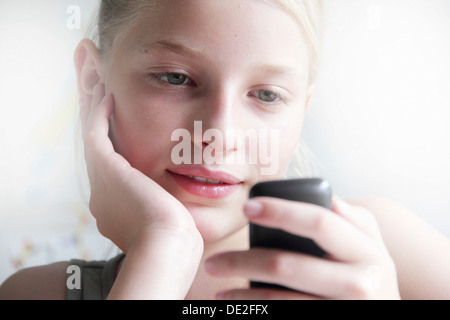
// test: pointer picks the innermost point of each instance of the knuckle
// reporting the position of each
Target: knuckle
(321, 222)
(359, 287)
(278, 265)
(227, 264)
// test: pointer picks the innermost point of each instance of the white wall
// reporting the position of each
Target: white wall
(378, 122)
(43, 216)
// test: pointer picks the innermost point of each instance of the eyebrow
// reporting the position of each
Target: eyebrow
(166, 46)
(274, 69)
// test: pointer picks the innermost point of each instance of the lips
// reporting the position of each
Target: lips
(205, 183)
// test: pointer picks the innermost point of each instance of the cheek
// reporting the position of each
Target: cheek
(290, 148)
(284, 146)
(141, 131)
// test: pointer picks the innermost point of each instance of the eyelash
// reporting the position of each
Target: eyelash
(278, 97)
(159, 77)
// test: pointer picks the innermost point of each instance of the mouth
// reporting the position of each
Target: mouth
(205, 183)
(205, 180)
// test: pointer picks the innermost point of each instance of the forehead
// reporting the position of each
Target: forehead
(251, 29)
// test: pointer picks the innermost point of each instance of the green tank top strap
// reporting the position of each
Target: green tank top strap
(97, 278)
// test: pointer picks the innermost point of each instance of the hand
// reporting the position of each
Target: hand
(162, 244)
(357, 264)
(124, 202)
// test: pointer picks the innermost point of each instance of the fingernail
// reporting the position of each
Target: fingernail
(253, 208)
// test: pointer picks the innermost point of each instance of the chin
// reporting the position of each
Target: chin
(215, 224)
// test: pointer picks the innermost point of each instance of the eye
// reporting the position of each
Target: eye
(267, 96)
(175, 79)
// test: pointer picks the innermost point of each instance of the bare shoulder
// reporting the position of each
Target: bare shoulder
(393, 217)
(380, 206)
(421, 253)
(46, 282)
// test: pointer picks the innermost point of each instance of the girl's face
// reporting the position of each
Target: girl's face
(221, 65)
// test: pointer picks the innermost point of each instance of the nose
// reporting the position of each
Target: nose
(218, 118)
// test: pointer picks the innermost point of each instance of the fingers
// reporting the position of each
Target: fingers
(95, 115)
(337, 236)
(97, 124)
(352, 268)
(263, 294)
(88, 103)
(359, 217)
(95, 112)
(315, 276)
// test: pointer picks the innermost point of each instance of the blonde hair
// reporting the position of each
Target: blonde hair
(309, 15)
(114, 15)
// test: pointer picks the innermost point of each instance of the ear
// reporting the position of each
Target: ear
(88, 68)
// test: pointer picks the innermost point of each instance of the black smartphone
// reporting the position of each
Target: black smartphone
(311, 190)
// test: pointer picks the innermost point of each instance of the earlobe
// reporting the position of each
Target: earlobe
(87, 65)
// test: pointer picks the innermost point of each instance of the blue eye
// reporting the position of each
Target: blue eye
(175, 79)
(267, 96)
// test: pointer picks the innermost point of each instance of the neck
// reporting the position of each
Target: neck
(204, 286)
